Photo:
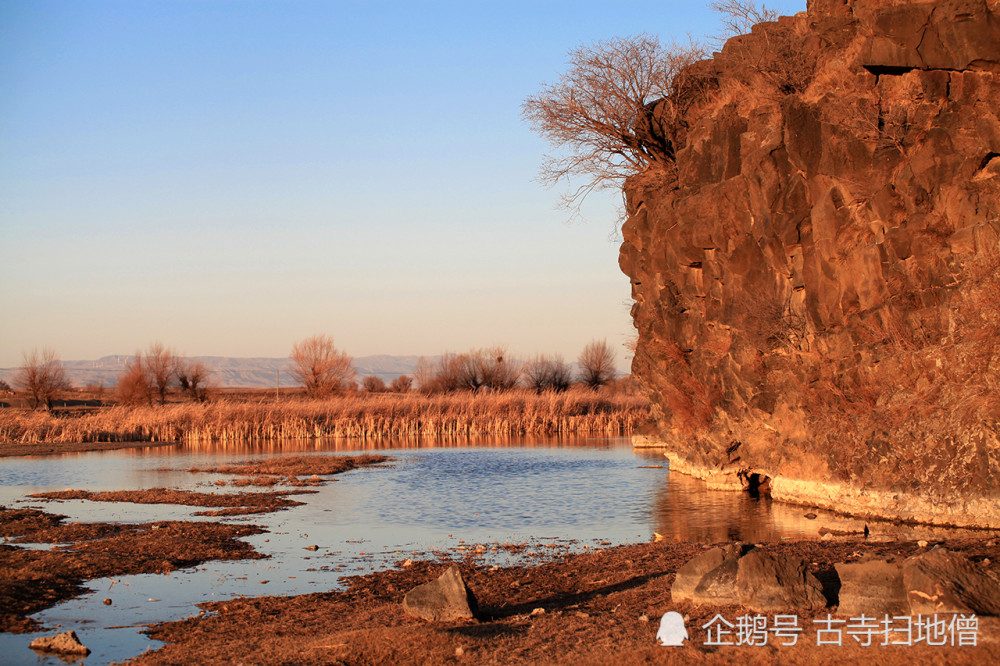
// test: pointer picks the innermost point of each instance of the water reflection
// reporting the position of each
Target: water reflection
(437, 495)
(402, 442)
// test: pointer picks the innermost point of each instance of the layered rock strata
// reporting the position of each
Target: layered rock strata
(815, 261)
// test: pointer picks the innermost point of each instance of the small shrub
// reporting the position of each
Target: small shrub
(401, 384)
(134, 387)
(373, 384)
(547, 373)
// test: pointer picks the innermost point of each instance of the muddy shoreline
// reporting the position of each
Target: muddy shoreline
(32, 579)
(590, 607)
(14, 449)
(597, 607)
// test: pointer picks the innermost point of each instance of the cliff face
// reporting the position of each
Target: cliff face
(817, 276)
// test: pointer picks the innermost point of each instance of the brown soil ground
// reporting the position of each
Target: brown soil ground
(31, 580)
(593, 608)
(237, 503)
(44, 448)
(295, 466)
(255, 472)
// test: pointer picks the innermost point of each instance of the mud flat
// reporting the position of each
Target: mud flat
(592, 607)
(35, 579)
(9, 449)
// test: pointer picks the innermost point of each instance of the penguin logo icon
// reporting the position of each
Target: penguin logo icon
(672, 630)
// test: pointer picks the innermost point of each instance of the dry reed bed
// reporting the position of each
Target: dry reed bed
(366, 416)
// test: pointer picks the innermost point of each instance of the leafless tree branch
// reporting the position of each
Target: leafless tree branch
(42, 375)
(320, 367)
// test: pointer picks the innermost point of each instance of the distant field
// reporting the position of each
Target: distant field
(238, 415)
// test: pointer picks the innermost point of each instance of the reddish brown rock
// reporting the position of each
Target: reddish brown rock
(767, 582)
(688, 577)
(64, 643)
(441, 600)
(817, 276)
(940, 581)
(752, 577)
(873, 587)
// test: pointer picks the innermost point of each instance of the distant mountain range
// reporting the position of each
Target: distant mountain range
(231, 372)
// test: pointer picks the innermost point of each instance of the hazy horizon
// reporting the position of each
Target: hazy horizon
(254, 371)
(230, 178)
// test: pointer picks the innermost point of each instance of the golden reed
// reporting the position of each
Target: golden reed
(365, 416)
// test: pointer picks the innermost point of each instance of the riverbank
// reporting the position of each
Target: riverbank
(595, 607)
(591, 602)
(364, 416)
(14, 449)
(32, 579)
(589, 607)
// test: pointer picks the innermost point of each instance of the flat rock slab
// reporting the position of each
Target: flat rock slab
(873, 587)
(692, 574)
(940, 581)
(442, 600)
(750, 577)
(767, 582)
(718, 586)
(65, 643)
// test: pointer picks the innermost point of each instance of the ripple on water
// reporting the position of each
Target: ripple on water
(576, 492)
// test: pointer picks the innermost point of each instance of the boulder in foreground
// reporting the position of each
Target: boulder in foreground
(940, 581)
(750, 577)
(873, 587)
(774, 582)
(442, 600)
(690, 584)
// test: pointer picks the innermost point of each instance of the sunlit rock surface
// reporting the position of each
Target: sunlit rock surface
(817, 281)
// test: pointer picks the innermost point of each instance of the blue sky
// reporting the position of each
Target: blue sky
(230, 177)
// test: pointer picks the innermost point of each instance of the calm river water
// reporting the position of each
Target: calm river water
(558, 495)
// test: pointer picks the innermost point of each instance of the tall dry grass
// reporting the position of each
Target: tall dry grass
(366, 416)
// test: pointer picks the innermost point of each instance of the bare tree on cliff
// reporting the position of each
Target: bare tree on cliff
(597, 364)
(320, 367)
(42, 375)
(591, 114)
(740, 16)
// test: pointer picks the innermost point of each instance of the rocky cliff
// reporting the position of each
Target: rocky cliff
(815, 262)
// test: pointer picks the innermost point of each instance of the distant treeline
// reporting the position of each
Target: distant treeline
(160, 373)
(356, 415)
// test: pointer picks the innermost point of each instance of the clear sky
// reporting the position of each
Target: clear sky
(229, 177)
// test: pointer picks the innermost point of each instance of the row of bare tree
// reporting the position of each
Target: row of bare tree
(493, 370)
(323, 369)
(149, 375)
